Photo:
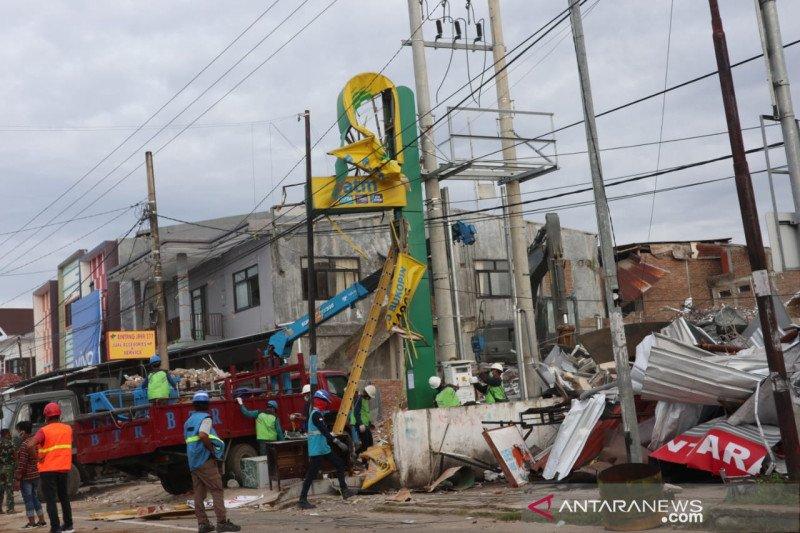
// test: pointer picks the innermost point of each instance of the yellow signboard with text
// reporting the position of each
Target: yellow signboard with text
(407, 274)
(357, 193)
(140, 344)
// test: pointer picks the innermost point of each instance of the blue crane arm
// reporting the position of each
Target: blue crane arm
(280, 343)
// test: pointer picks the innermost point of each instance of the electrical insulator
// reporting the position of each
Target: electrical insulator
(457, 25)
(438, 30)
(479, 31)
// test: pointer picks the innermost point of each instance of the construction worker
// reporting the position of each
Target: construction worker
(55, 461)
(319, 449)
(492, 386)
(268, 427)
(27, 475)
(303, 417)
(159, 384)
(8, 461)
(445, 394)
(360, 419)
(205, 450)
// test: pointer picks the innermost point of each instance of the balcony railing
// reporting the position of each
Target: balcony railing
(203, 327)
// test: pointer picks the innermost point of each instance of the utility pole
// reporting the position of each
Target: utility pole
(155, 255)
(523, 303)
(451, 255)
(440, 278)
(755, 246)
(311, 274)
(779, 78)
(611, 286)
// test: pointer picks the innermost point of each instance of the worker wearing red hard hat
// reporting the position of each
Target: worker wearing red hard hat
(55, 462)
(319, 448)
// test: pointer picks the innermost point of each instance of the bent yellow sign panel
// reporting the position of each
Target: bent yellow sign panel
(407, 275)
(358, 193)
(130, 344)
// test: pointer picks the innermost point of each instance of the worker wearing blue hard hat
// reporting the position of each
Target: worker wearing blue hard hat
(268, 426)
(205, 451)
(158, 383)
(319, 448)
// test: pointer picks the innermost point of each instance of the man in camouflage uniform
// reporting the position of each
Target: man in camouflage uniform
(8, 463)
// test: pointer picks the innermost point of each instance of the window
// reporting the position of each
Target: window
(725, 293)
(491, 279)
(21, 366)
(744, 289)
(245, 289)
(334, 274)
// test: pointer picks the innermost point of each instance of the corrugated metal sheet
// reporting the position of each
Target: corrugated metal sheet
(637, 277)
(573, 434)
(667, 369)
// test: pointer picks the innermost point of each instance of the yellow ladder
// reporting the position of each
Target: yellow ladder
(366, 339)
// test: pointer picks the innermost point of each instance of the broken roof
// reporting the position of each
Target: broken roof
(15, 321)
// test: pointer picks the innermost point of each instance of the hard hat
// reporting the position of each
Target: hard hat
(497, 366)
(323, 395)
(306, 389)
(371, 391)
(201, 396)
(155, 360)
(52, 409)
(434, 382)
(273, 404)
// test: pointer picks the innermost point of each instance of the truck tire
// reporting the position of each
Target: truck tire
(233, 464)
(177, 481)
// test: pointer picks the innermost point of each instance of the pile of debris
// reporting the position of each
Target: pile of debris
(191, 378)
(703, 398)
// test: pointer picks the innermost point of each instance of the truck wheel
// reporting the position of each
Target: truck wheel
(176, 482)
(233, 465)
(73, 481)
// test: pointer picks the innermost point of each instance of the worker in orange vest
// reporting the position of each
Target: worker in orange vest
(55, 461)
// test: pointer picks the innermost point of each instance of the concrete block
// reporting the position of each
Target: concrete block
(255, 472)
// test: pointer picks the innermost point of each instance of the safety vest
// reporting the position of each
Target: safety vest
(317, 443)
(158, 385)
(196, 451)
(363, 404)
(447, 398)
(55, 454)
(495, 394)
(266, 427)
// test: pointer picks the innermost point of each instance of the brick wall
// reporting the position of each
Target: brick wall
(392, 395)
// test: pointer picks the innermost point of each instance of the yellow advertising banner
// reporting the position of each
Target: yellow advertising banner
(406, 278)
(139, 344)
(357, 193)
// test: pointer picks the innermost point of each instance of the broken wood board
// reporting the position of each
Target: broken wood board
(511, 452)
(151, 512)
(461, 478)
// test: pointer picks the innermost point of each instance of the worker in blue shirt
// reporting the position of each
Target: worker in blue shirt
(268, 426)
(158, 383)
(319, 449)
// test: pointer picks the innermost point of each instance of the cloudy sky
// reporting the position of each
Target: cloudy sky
(79, 77)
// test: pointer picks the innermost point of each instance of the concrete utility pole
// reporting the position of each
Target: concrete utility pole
(611, 285)
(755, 250)
(523, 303)
(155, 255)
(440, 279)
(453, 262)
(783, 96)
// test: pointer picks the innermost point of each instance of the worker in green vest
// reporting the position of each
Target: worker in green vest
(159, 384)
(360, 418)
(445, 393)
(268, 427)
(491, 384)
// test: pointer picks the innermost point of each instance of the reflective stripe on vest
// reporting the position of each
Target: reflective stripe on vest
(55, 455)
(158, 385)
(196, 452)
(266, 429)
(317, 443)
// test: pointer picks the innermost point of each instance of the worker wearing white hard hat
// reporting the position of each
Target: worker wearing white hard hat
(301, 418)
(445, 393)
(490, 384)
(360, 418)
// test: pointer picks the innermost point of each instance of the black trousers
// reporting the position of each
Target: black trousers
(54, 486)
(314, 463)
(365, 438)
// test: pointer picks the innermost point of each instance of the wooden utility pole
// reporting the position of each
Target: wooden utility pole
(311, 274)
(755, 249)
(610, 283)
(155, 256)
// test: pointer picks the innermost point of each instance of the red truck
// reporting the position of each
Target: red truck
(149, 439)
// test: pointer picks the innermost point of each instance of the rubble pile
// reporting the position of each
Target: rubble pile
(191, 378)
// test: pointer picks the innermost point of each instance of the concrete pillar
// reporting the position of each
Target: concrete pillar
(184, 299)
